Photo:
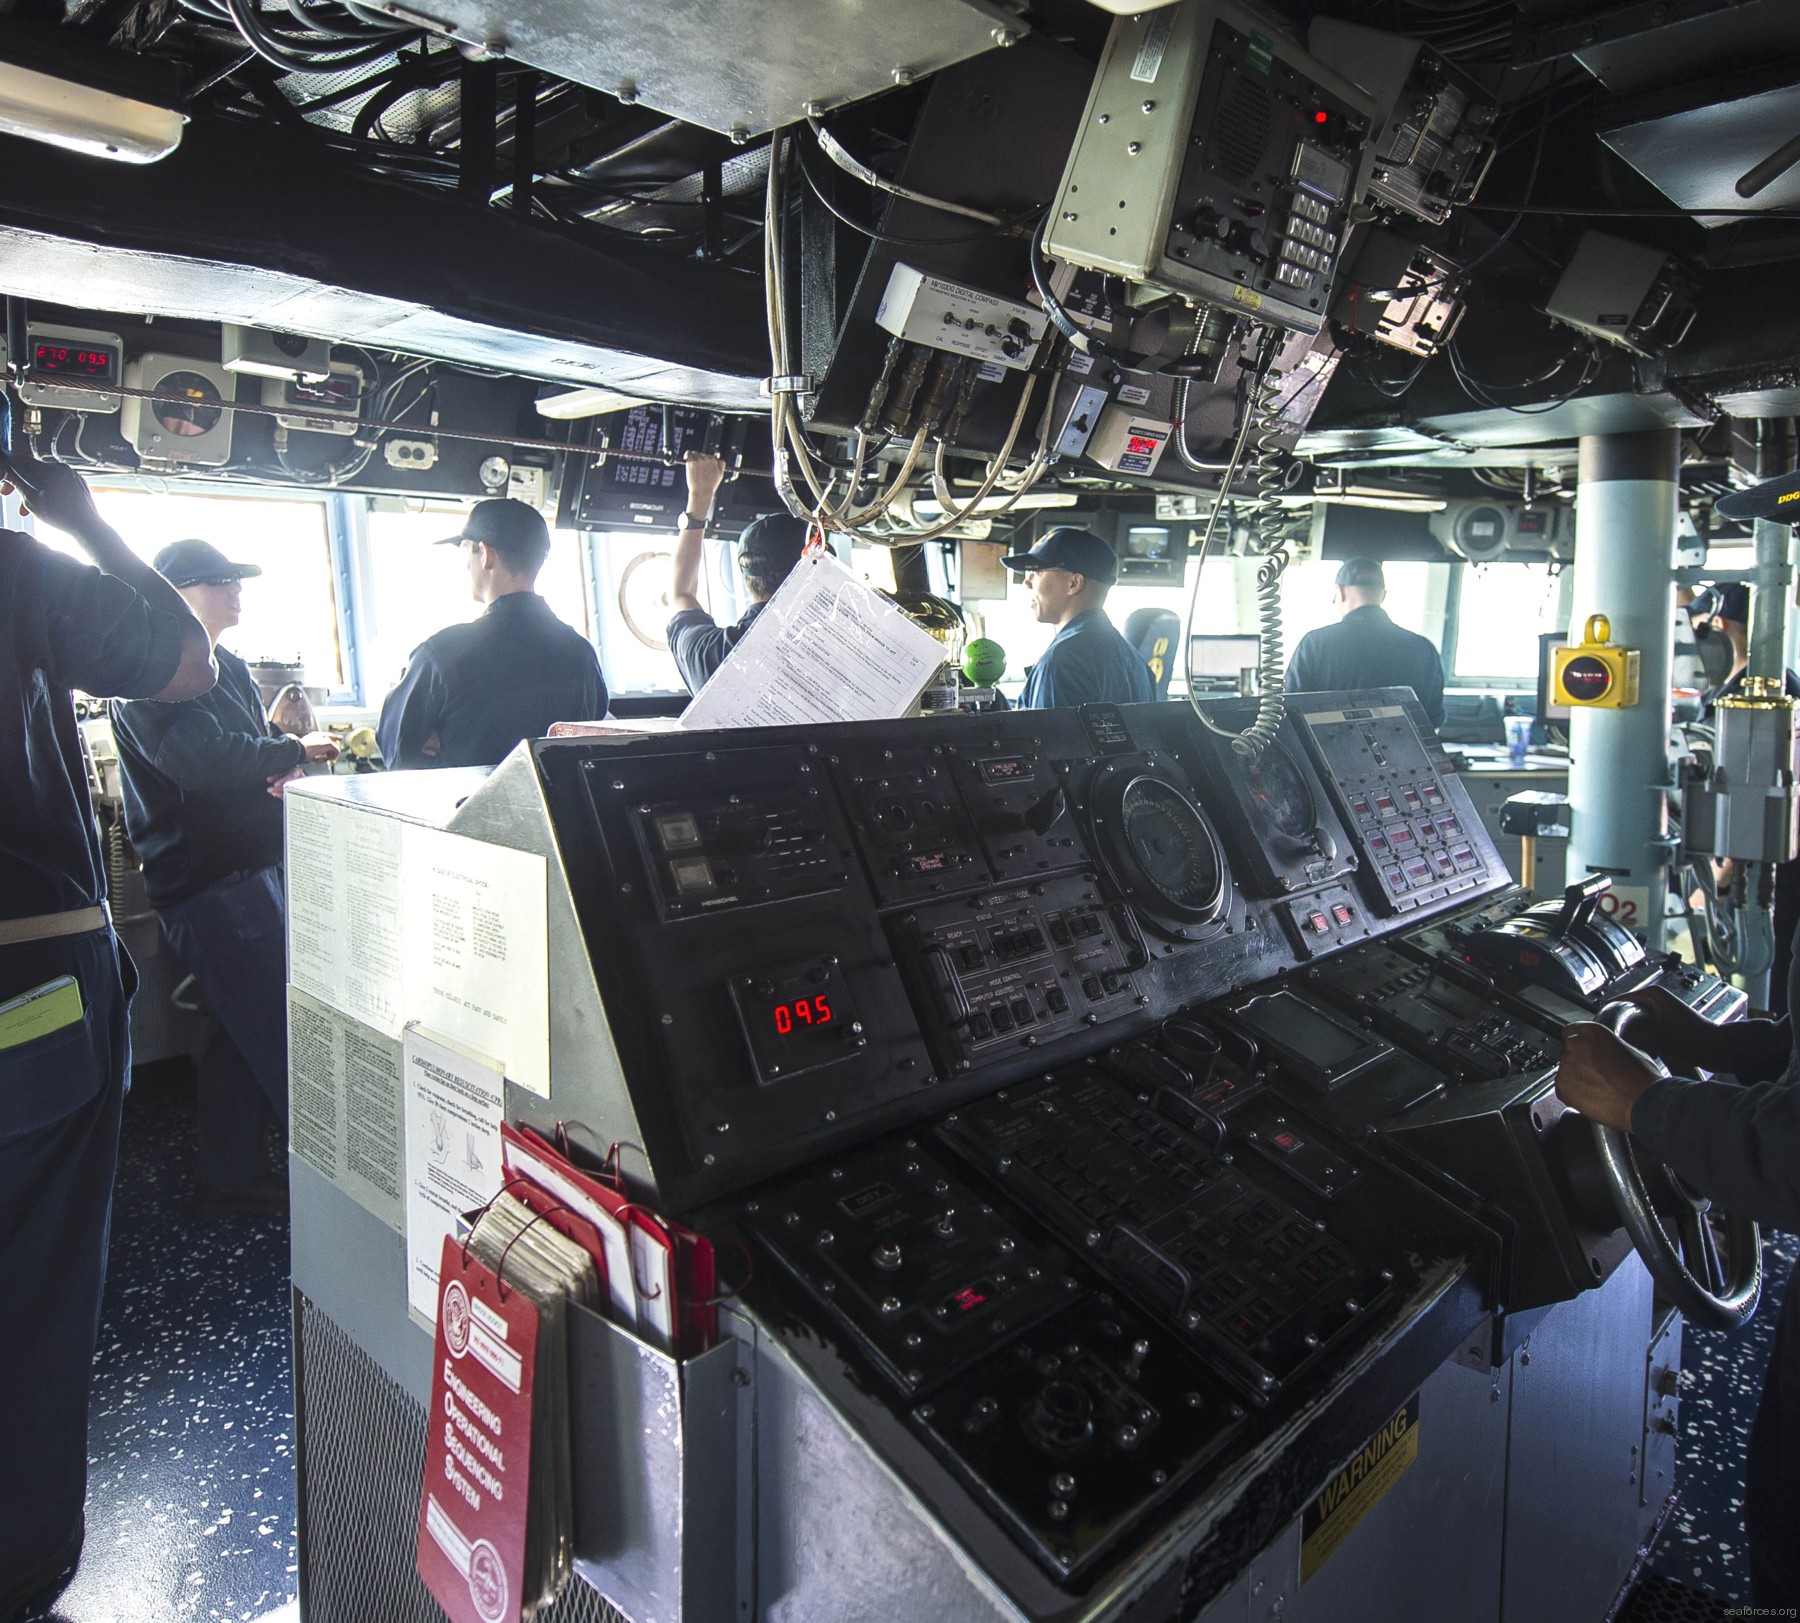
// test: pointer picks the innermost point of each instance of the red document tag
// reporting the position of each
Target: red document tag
(478, 1444)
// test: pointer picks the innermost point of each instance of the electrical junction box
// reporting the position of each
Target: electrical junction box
(941, 314)
(1399, 292)
(83, 355)
(191, 425)
(1432, 146)
(1639, 298)
(266, 354)
(1595, 674)
(1126, 442)
(331, 405)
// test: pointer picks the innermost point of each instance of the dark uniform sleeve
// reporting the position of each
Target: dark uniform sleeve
(699, 645)
(1430, 685)
(1740, 1145)
(1757, 1050)
(1301, 677)
(186, 743)
(92, 631)
(413, 712)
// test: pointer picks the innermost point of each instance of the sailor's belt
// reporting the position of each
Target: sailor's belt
(48, 926)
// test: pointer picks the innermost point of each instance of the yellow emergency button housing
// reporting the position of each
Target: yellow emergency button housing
(1595, 673)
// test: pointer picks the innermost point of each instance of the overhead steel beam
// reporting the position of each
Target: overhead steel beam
(1607, 23)
(249, 224)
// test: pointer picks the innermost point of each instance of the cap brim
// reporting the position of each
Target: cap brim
(245, 571)
(1777, 499)
(452, 541)
(1021, 561)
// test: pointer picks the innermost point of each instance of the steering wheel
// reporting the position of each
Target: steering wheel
(1676, 1230)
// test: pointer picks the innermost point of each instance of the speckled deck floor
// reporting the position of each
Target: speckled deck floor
(191, 1436)
(1703, 1543)
(191, 1492)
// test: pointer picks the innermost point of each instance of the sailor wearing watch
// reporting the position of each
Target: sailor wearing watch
(767, 550)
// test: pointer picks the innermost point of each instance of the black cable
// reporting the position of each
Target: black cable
(295, 50)
(1481, 393)
(891, 238)
(1060, 319)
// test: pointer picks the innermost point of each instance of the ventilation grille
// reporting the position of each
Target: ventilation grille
(362, 1458)
(1242, 134)
(1657, 1599)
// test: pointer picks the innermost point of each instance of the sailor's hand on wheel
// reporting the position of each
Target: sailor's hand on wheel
(1601, 1076)
(1682, 1039)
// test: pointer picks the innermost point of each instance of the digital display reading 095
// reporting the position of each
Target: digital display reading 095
(74, 360)
(801, 1013)
(797, 1018)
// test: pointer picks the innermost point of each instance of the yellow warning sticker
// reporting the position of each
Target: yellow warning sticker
(1247, 297)
(1358, 1488)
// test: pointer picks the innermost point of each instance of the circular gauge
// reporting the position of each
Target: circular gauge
(1279, 793)
(1159, 848)
(198, 413)
(644, 597)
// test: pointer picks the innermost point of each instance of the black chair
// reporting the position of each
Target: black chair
(1153, 633)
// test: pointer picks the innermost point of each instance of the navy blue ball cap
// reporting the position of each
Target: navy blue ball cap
(1081, 552)
(775, 540)
(504, 524)
(1777, 498)
(187, 563)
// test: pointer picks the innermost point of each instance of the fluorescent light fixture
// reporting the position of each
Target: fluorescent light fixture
(588, 402)
(41, 107)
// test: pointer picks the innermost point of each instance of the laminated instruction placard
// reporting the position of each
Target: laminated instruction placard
(824, 648)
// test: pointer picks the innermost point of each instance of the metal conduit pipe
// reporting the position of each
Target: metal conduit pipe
(1619, 774)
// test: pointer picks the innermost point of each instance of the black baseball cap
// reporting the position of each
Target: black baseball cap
(505, 525)
(1081, 552)
(1363, 574)
(187, 563)
(1777, 498)
(775, 540)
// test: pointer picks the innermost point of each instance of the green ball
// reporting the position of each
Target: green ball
(984, 662)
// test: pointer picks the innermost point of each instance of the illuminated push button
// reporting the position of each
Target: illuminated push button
(1057, 999)
(1002, 1018)
(1112, 980)
(1341, 913)
(980, 1027)
(1021, 1011)
(1318, 923)
(693, 876)
(1090, 986)
(678, 831)
(1287, 1142)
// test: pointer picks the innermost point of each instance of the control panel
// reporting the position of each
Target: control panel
(1419, 837)
(1087, 1098)
(1245, 1265)
(1216, 160)
(1012, 968)
(1437, 1013)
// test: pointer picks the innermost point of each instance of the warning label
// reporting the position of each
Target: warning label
(1358, 1488)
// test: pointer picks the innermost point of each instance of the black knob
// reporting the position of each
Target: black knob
(1061, 1416)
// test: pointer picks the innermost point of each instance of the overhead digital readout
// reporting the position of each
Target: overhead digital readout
(75, 360)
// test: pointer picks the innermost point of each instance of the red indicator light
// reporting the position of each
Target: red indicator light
(968, 1299)
(1321, 116)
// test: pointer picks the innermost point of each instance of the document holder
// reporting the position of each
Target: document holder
(663, 1472)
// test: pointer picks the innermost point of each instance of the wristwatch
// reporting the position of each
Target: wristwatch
(687, 521)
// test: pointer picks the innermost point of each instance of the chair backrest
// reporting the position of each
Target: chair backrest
(1153, 633)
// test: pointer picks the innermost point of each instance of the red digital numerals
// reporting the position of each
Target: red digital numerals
(805, 1011)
